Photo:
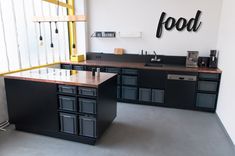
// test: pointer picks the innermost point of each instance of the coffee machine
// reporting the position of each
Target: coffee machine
(213, 61)
(192, 59)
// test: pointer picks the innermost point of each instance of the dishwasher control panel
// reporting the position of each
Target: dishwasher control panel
(181, 77)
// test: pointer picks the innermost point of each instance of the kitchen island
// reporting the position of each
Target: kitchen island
(67, 104)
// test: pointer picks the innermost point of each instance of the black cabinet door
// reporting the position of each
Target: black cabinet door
(32, 105)
(152, 79)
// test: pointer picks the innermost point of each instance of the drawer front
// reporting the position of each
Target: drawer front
(129, 93)
(129, 80)
(87, 106)
(87, 126)
(113, 70)
(66, 66)
(209, 76)
(87, 91)
(67, 103)
(68, 123)
(130, 71)
(207, 86)
(158, 96)
(79, 68)
(206, 100)
(144, 94)
(67, 89)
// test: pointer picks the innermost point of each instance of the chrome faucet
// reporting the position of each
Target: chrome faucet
(155, 59)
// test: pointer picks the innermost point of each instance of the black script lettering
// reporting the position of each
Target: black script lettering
(192, 25)
(170, 23)
(160, 25)
(181, 24)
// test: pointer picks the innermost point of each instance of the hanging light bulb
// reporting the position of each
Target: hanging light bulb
(40, 37)
(56, 28)
(52, 45)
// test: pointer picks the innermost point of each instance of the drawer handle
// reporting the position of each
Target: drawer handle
(66, 87)
(66, 116)
(86, 119)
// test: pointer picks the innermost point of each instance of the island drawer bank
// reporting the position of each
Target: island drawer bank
(59, 107)
(150, 85)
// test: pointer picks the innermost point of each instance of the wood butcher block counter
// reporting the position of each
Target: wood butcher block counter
(137, 65)
(62, 76)
(67, 104)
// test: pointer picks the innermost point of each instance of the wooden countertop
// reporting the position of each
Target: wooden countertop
(62, 76)
(142, 66)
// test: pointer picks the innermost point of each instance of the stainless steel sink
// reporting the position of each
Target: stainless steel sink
(153, 65)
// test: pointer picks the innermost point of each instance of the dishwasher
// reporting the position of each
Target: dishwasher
(180, 91)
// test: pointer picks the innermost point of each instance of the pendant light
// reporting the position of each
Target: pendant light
(74, 44)
(40, 33)
(52, 45)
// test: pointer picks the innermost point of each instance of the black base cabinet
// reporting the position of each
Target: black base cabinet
(74, 113)
(152, 87)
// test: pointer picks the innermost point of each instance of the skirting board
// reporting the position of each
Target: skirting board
(227, 135)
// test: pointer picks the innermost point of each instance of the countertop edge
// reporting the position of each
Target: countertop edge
(141, 66)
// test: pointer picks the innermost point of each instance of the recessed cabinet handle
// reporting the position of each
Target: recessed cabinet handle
(66, 116)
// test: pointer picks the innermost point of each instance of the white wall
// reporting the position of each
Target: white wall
(226, 46)
(142, 15)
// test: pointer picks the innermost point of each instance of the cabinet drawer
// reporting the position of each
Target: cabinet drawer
(67, 89)
(113, 70)
(145, 94)
(209, 76)
(87, 126)
(68, 123)
(129, 80)
(206, 100)
(158, 96)
(79, 68)
(87, 91)
(130, 71)
(67, 103)
(129, 93)
(207, 86)
(87, 106)
(66, 66)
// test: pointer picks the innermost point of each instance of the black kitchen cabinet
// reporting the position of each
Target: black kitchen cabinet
(152, 79)
(152, 87)
(74, 113)
(207, 91)
(32, 105)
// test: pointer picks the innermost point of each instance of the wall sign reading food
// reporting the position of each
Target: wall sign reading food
(191, 25)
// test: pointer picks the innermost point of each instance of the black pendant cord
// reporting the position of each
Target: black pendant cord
(52, 45)
(40, 32)
(56, 26)
(74, 45)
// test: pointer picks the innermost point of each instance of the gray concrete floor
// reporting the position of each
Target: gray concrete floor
(137, 131)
